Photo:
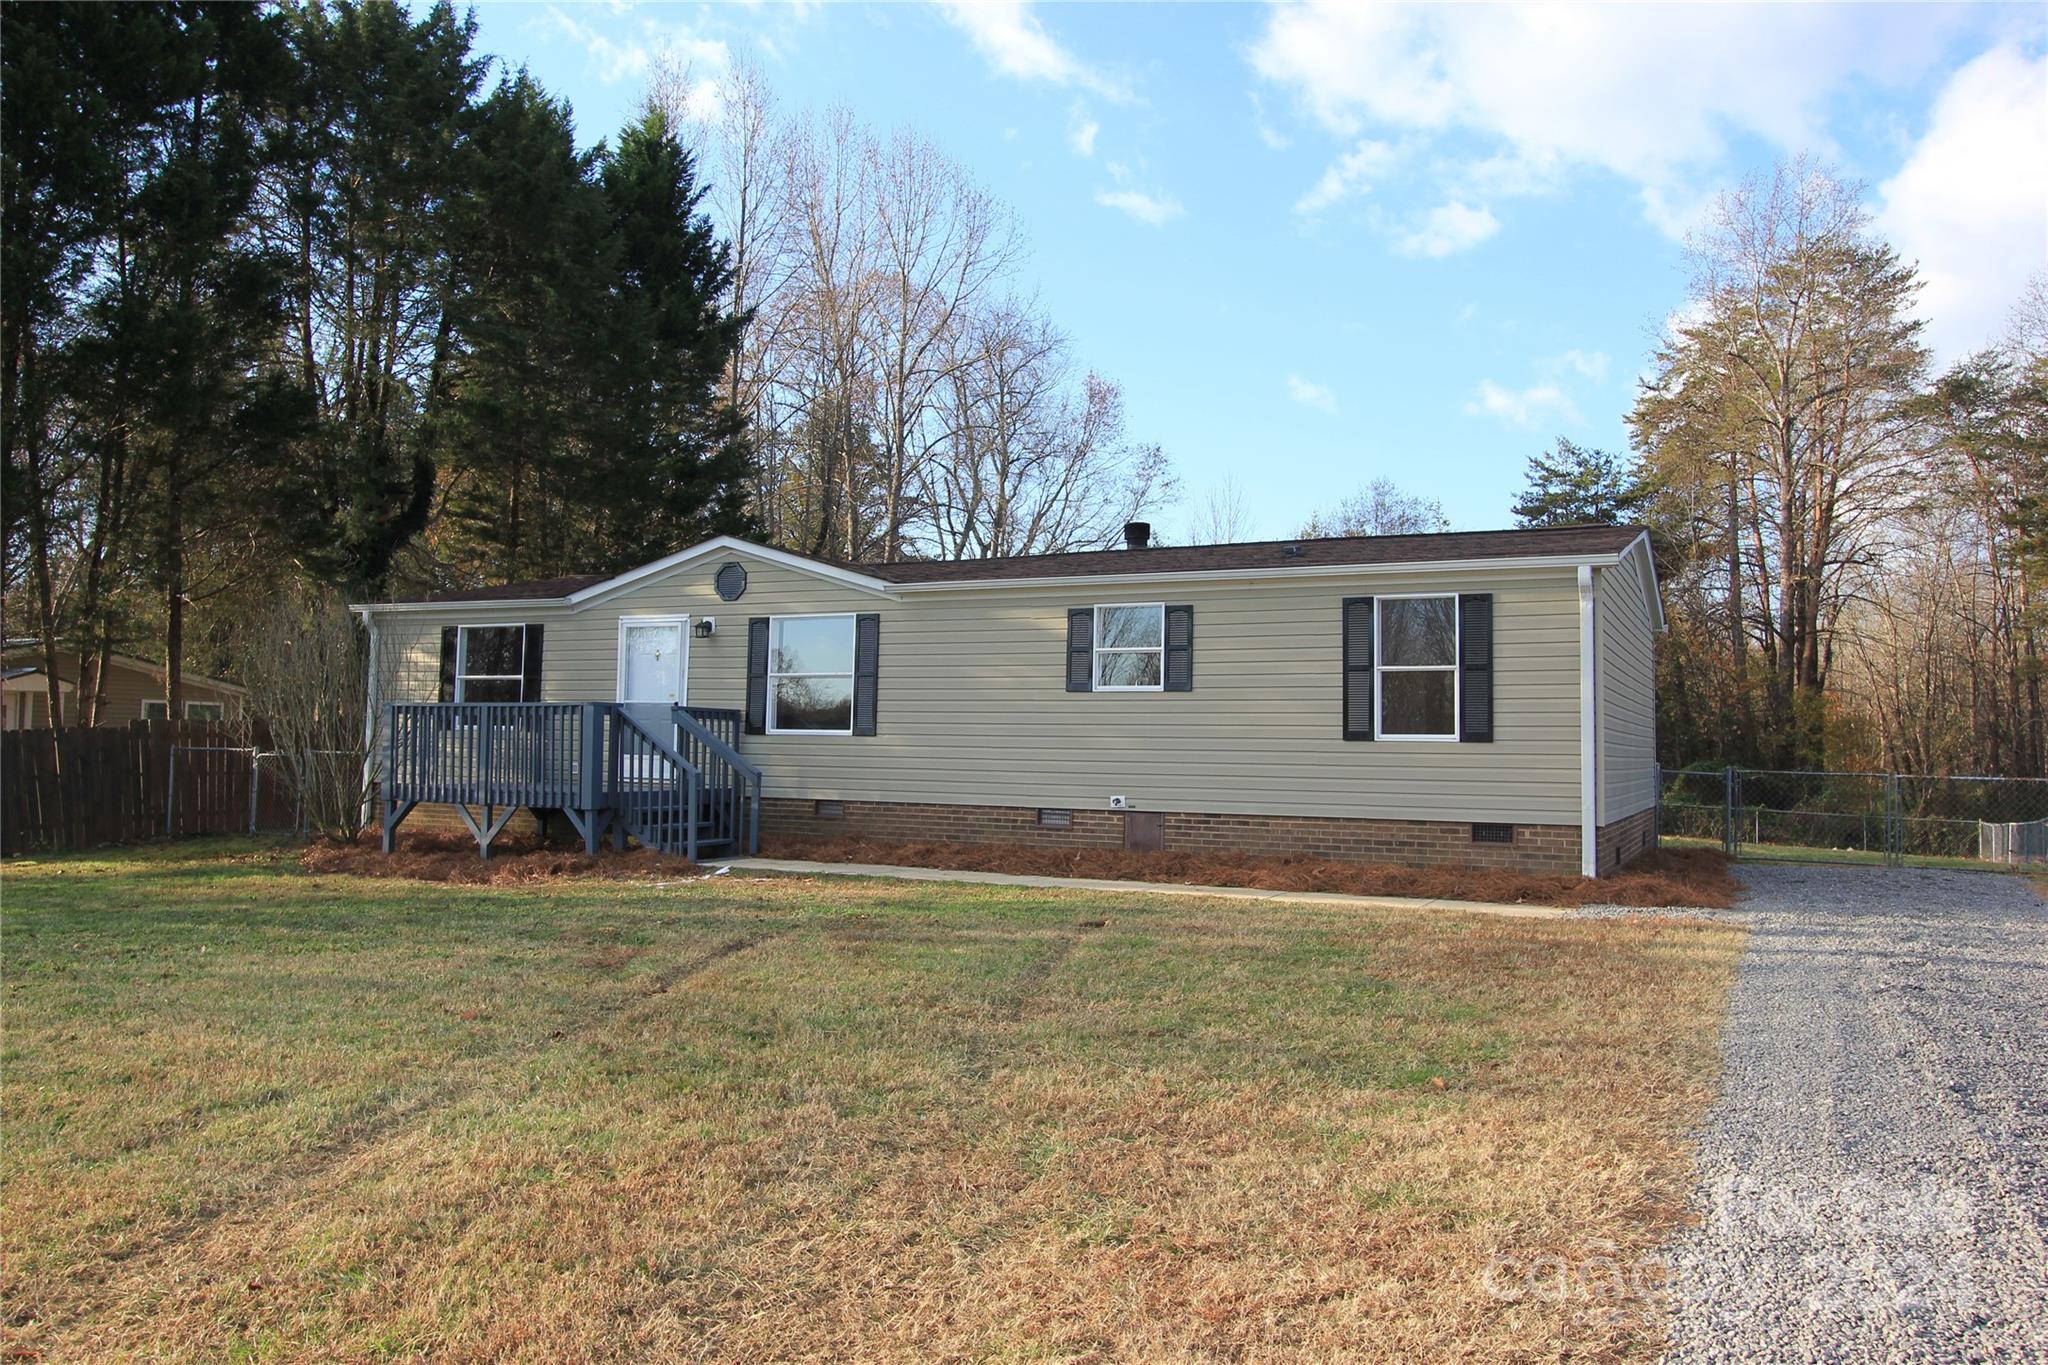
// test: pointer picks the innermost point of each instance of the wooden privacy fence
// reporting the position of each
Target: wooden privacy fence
(77, 788)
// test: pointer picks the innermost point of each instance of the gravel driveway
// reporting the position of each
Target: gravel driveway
(1874, 1178)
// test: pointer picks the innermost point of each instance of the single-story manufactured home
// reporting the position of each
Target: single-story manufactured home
(1482, 698)
(133, 689)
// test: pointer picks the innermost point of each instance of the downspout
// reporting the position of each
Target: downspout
(1589, 730)
(369, 715)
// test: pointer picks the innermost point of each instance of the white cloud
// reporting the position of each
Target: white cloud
(1310, 395)
(1655, 94)
(1448, 229)
(1520, 407)
(1009, 35)
(1081, 136)
(1146, 208)
(1586, 364)
(1352, 174)
(1970, 204)
(1268, 134)
(632, 55)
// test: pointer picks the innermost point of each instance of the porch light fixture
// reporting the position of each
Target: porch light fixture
(702, 630)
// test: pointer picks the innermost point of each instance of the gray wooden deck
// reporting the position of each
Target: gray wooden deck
(592, 761)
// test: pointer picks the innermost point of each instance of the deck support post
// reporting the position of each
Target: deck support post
(492, 825)
(394, 816)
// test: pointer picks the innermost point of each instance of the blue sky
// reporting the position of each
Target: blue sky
(1321, 244)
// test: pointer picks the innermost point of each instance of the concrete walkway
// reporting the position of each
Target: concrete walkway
(1334, 898)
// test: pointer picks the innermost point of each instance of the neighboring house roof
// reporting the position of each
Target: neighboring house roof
(127, 661)
(1554, 545)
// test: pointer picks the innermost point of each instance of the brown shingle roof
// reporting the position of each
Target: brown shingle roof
(1537, 543)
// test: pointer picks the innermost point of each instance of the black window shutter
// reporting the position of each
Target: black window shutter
(1358, 700)
(1081, 649)
(1475, 667)
(1180, 649)
(529, 685)
(757, 676)
(867, 647)
(448, 648)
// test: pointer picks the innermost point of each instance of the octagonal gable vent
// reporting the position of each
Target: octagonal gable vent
(731, 581)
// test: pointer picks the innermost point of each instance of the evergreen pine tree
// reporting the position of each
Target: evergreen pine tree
(673, 457)
(1573, 485)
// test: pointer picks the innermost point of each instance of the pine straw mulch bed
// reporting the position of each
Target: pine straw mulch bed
(514, 861)
(1677, 878)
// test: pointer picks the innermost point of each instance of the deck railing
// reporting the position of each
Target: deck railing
(709, 740)
(486, 753)
(590, 760)
(654, 789)
(723, 724)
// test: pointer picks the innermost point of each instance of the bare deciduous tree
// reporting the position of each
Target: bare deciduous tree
(1381, 508)
(303, 660)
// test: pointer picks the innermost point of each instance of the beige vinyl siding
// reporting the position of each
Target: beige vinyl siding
(1627, 692)
(128, 684)
(973, 706)
(128, 687)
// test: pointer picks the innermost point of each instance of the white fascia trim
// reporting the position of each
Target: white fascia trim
(597, 592)
(1646, 569)
(1589, 730)
(1278, 571)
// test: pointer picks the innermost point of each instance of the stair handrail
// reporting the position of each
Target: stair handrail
(692, 780)
(749, 776)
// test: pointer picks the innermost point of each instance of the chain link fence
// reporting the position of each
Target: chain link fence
(1892, 819)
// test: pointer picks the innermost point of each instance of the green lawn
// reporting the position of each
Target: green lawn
(255, 1114)
(1806, 853)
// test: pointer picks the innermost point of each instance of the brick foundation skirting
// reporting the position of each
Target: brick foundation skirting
(1622, 841)
(1536, 848)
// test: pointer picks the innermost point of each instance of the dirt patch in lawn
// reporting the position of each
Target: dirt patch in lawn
(1691, 878)
(513, 861)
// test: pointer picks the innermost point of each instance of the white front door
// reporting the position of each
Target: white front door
(654, 670)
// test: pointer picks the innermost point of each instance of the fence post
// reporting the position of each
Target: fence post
(1731, 841)
(1894, 823)
(1656, 810)
(171, 790)
(255, 779)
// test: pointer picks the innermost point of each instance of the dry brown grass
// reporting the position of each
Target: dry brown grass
(254, 1114)
(1694, 878)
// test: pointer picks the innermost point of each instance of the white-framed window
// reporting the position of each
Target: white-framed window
(1130, 647)
(810, 675)
(490, 663)
(156, 708)
(1415, 666)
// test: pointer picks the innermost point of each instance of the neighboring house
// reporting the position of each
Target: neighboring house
(1469, 697)
(134, 690)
